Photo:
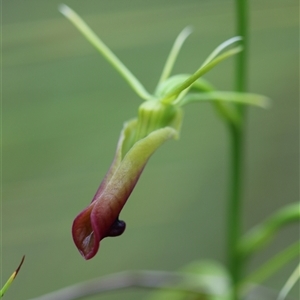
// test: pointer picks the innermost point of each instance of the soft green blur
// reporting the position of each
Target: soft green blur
(63, 107)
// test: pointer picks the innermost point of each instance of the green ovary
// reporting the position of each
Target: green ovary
(154, 115)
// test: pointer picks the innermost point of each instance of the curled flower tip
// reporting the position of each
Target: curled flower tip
(117, 228)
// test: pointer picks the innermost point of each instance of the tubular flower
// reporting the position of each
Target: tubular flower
(159, 119)
(101, 218)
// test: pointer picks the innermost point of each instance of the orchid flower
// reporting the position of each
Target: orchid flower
(159, 119)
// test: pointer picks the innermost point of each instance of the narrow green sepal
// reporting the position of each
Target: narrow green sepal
(231, 97)
(174, 53)
(105, 51)
(213, 59)
(173, 82)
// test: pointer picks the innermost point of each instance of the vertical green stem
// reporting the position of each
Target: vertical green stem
(237, 141)
(234, 207)
(241, 58)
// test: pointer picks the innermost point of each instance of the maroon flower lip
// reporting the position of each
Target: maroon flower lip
(101, 218)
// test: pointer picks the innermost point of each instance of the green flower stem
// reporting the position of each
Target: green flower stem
(241, 58)
(234, 207)
(237, 139)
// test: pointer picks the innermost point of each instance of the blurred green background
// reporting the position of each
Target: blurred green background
(63, 109)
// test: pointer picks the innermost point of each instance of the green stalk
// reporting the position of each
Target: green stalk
(237, 141)
(234, 207)
(241, 58)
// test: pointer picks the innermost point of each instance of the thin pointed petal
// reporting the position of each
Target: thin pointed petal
(105, 51)
(233, 97)
(173, 94)
(220, 48)
(174, 53)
